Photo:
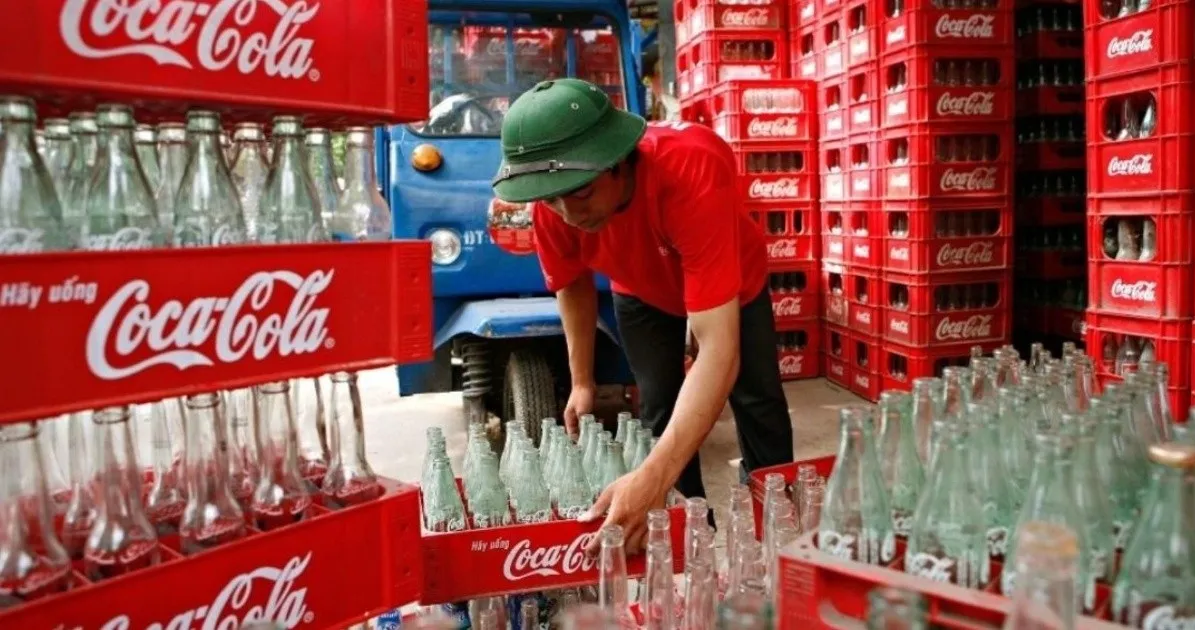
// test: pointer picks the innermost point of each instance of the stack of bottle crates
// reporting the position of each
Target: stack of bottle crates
(1140, 182)
(730, 69)
(1051, 259)
(944, 159)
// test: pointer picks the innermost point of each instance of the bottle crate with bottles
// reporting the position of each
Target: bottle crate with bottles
(717, 56)
(952, 84)
(939, 24)
(929, 236)
(696, 17)
(798, 345)
(805, 51)
(849, 295)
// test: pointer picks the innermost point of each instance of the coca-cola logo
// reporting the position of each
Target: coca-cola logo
(809, 68)
(863, 380)
(899, 253)
(862, 251)
(896, 34)
(807, 11)
(977, 253)
(898, 106)
(863, 317)
(789, 306)
(861, 116)
(979, 179)
(791, 364)
(180, 334)
(785, 127)
(524, 47)
(218, 30)
(524, 561)
(124, 239)
(785, 188)
(1139, 42)
(1140, 164)
(746, 18)
(1140, 291)
(973, 104)
(974, 327)
(21, 241)
(834, 122)
(782, 249)
(976, 26)
(833, 61)
(231, 608)
(899, 326)
(861, 183)
(1167, 618)
(900, 180)
(837, 369)
(195, 232)
(836, 247)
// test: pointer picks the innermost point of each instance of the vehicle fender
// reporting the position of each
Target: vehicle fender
(508, 318)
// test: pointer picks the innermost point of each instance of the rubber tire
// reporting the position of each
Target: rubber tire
(529, 391)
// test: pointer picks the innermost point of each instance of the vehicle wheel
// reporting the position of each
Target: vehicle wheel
(529, 391)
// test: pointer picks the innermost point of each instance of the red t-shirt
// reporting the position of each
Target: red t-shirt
(684, 244)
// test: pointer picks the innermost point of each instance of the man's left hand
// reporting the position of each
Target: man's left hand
(626, 502)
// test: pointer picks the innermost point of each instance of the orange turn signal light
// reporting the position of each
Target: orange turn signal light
(426, 158)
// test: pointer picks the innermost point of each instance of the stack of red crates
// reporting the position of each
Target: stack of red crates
(940, 216)
(1051, 263)
(1140, 139)
(730, 69)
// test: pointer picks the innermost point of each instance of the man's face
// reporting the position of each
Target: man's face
(589, 208)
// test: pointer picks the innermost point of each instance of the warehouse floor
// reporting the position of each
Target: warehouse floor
(396, 430)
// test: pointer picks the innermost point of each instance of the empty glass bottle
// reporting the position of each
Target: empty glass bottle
(80, 512)
(612, 575)
(1155, 588)
(948, 539)
(281, 496)
(904, 475)
(612, 466)
(1047, 566)
(122, 538)
(1138, 393)
(59, 147)
(172, 163)
(926, 408)
(33, 563)
(514, 430)
(167, 498)
(531, 501)
(290, 210)
(207, 211)
(442, 507)
(489, 505)
(85, 135)
(856, 522)
(891, 608)
(574, 496)
(1119, 464)
(1091, 496)
(31, 218)
(121, 211)
(243, 467)
(361, 213)
(212, 515)
(745, 611)
(322, 170)
(250, 168)
(657, 603)
(989, 479)
(145, 139)
(701, 595)
(309, 401)
(1015, 437)
(350, 479)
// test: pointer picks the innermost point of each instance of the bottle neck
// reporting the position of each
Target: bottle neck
(346, 405)
(612, 577)
(276, 431)
(204, 151)
(359, 170)
(18, 135)
(288, 153)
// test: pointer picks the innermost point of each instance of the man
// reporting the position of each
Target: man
(657, 210)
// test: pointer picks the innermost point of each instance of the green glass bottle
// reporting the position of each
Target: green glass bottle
(534, 504)
(1120, 466)
(1138, 393)
(904, 475)
(891, 608)
(1155, 589)
(989, 479)
(488, 504)
(983, 379)
(927, 407)
(956, 382)
(1015, 438)
(1091, 497)
(443, 510)
(948, 541)
(573, 496)
(611, 465)
(856, 522)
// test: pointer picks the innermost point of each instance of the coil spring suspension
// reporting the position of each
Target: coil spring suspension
(475, 377)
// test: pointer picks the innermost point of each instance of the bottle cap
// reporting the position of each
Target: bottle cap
(1173, 455)
(114, 115)
(203, 120)
(57, 128)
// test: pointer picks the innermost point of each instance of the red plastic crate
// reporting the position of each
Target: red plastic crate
(1171, 87)
(859, 355)
(836, 370)
(784, 172)
(987, 28)
(863, 172)
(831, 44)
(714, 57)
(861, 46)
(805, 52)
(1159, 204)
(1051, 156)
(310, 305)
(850, 295)
(833, 159)
(834, 111)
(1171, 339)
(946, 255)
(361, 63)
(335, 569)
(923, 99)
(1050, 100)
(929, 219)
(797, 349)
(764, 127)
(794, 293)
(791, 231)
(787, 96)
(1141, 290)
(939, 314)
(923, 175)
(862, 98)
(802, 13)
(755, 481)
(900, 365)
(836, 307)
(1173, 241)
(1157, 36)
(695, 17)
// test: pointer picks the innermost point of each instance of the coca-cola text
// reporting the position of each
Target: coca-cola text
(524, 561)
(974, 327)
(973, 255)
(1139, 42)
(1140, 291)
(977, 26)
(973, 104)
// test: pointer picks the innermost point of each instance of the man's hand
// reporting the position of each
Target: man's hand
(580, 402)
(626, 502)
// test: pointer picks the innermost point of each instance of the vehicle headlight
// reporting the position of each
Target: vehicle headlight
(446, 246)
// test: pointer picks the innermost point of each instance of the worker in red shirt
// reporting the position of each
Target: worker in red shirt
(656, 208)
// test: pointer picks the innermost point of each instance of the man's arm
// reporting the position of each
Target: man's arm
(578, 313)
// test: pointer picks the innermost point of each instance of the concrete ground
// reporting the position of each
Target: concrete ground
(396, 429)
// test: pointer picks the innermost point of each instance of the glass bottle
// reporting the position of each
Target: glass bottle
(514, 430)
(574, 496)
(1050, 499)
(207, 212)
(31, 219)
(745, 611)
(904, 476)
(350, 479)
(1119, 464)
(989, 478)
(290, 210)
(121, 538)
(612, 465)
(546, 435)
(620, 434)
(658, 587)
(948, 541)
(309, 397)
(243, 467)
(612, 575)
(1156, 585)
(321, 168)
(281, 496)
(957, 392)
(172, 162)
(489, 506)
(85, 135)
(597, 462)
(361, 213)
(121, 211)
(80, 512)
(59, 147)
(249, 170)
(145, 139)
(701, 595)
(1091, 496)
(1015, 437)
(442, 507)
(983, 378)
(533, 505)
(1048, 569)
(167, 498)
(856, 522)
(1138, 392)
(212, 516)
(1162, 383)
(33, 563)
(697, 511)
(926, 409)
(890, 608)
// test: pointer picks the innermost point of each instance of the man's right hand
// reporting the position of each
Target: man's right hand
(580, 402)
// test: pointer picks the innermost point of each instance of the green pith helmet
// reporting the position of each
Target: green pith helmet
(559, 136)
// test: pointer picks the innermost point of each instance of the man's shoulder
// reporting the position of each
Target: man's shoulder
(677, 145)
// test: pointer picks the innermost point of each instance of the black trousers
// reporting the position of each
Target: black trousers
(654, 343)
